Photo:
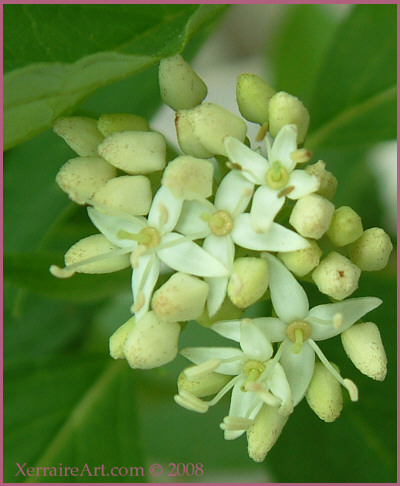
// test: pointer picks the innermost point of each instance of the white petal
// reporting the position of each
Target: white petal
(222, 248)
(252, 164)
(188, 257)
(144, 279)
(266, 205)
(234, 193)
(228, 329)
(288, 296)
(303, 184)
(253, 341)
(274, 329)
(351, 310)
(284, 144)
(201, 354)
(299, 369)
(277, 238)
(190, 221)
(165, 210)
(216, 293)
(279, 386)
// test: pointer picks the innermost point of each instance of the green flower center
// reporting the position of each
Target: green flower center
(298, 332)
(221, 223)
(148, 237)
(277, 176)
(253, 370)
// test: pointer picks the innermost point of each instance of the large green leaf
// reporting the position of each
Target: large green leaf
(55, 55)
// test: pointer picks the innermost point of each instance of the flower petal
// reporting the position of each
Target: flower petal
(190, 221)
(266, 205)
(201, 354)
(144, 279)
(279, 386)
(216, 293)
(288, 296)
(228, 329)
(253, 341)
(222, 248)
(252, 165)
(303, 184)
(274, 329)
(165, 210)
(284, 144)
(234, 193)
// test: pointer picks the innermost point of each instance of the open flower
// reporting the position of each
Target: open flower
(275, 175)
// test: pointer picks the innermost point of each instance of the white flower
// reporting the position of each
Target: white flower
(275, 175)
(257, 379)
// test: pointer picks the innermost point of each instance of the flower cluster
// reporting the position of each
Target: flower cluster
(216, 229)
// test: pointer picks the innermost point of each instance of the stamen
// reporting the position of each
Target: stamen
(139, 237)
(301, 156)
(272, 362)
(204, 369)
(235, 423)
(265, 395)
(59, 272)
(233, 166)
(189, 401)
(136, 254)
(224, 390)
(285, 191)
(262, 132)
(352, 389)
(338, 320)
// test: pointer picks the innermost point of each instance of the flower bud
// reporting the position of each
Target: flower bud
(265, 431)
(346, 226)
(189, 178)
(152, 342)
(187, 140)
(80, 133)
(80, 177)
(336, 276)
(327, 181)
(301, 262)
(121, 122)
(135, 152)
(128, 194)
(285, 109)
(180, 86)
(203, 386)
(372, 250)
(253, 95)
(93, 246)
(181, 298)
(363, 345)
(248, 281)
(312, 215)
(117, 340)
(324, 394)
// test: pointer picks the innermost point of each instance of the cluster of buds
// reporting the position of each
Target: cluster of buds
(213, 231)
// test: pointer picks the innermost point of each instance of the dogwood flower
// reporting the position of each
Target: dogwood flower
(275, 175)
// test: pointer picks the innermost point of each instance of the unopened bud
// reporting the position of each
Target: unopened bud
(327, 181)
(372, 250)
(285, 109)
(152, 342)
(189, 178)
(80, 133)
(253, 95)
(187, 140)
(301, 262)
(181, 298)
(363, 345)
(346, 226)
(203, 386)
(135, 152)
(312, 215)
(127, 194)
(324, 394)
(121, 122)
(180, 86)
(117, 340)
(336, 276)
(248, 281)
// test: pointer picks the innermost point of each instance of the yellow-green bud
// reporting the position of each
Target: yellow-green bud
(253, 95)
(363, 345)
(152, 342)
(187, 140)
(372, 250)
(327, 181)
(285, 109)
(80, 133)
(189, 178)
(121, 122)
(180, 86)
(135, 152)
(301, 262)
(128, 194)
(324, 394)
(248, 281)
(336, 276)
(312, 215)
(181, 298)
(203, 386)
(82, 176)
(227, 312)
(117, 340)
(346, 226)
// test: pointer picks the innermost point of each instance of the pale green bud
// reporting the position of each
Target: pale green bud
(128, 194)
(204, 385)
(227, 312)
(189, 178)
(180, 86)
(121, 122)
(187, 140)
(264, 432)
(312, 215)
(82, 176)
(346, 226)
(301, 262)
(135, 152)
(151, 342)
(117, 340)
(80, 133)
(324, 393)
(253, 95)
(372, 250)
(181, 298)
(285, 109)
(248, 281)
(336, 276)
(363, 345)
(327, 181)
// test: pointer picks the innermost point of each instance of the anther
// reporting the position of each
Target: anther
(191, 402)
(338, 320)
(235, 423)
(61, 272)
(195, 372)
(301, 156)
(351, 388)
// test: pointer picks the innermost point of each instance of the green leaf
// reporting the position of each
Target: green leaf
(353, 102)
(68, 51)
